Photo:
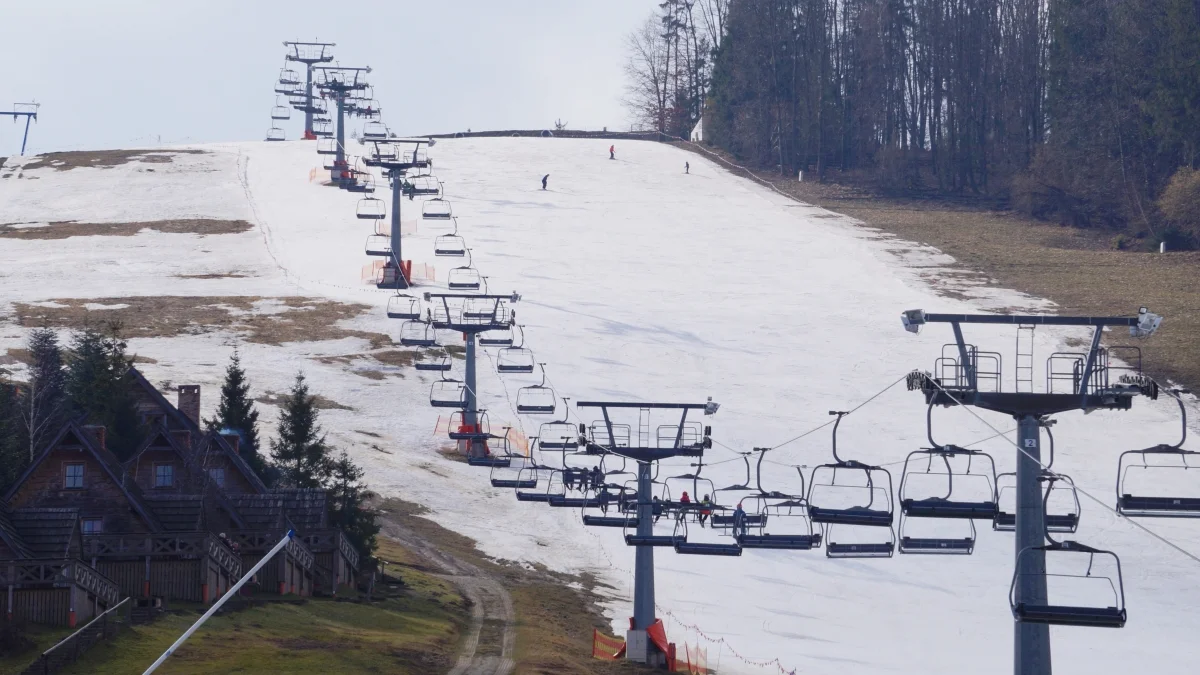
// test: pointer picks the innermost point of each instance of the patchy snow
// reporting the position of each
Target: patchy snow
(639, 282)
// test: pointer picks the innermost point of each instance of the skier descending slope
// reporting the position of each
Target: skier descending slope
(544, 179)
(612, 152)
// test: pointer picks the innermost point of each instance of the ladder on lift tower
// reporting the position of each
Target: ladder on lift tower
(1025, 359)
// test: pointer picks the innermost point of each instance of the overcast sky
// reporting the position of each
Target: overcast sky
(115, 73)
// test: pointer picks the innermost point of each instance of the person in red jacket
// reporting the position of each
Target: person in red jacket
(612, 152)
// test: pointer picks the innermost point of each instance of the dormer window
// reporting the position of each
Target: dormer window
(73, 476)
(164, 475)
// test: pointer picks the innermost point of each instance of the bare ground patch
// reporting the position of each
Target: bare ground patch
(225, 275)
(319, 402)
(1077, 269)
(70, 228)
(105, 159)
(272, 321)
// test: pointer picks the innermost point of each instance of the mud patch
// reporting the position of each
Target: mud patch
(256, 319)
(70, 228)
(105, 159)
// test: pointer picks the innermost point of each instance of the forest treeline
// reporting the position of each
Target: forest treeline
(1085, 112)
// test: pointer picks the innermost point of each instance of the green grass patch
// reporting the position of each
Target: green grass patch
(41, 637)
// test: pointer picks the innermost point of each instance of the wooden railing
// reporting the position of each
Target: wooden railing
(58, 573)
(262, 541)
(68, 651)
(329, 540)
(185, 546)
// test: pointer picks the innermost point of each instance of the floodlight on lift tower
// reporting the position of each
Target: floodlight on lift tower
(958, 380)
(310, 54)
(645, 452)
(27, 110)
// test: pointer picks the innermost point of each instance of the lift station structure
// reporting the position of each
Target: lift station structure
(27, 110)
(961, 379)
(310, 54)
(340, 83)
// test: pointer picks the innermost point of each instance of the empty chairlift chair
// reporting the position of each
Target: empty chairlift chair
(374, 130)
(404, 307)
(515, 358)
(1160, 482)
(855, 498)
(558, 436)
(1063, 507)
(537, 399)
(779, 523)
(1075, 575)
(327, 146)
(449, 246)
(691, 547)
(448, 393)
(939, 486)
(323, 129)
(464, 278)
(500, 337)
(276, 134)
(519, 475)
(281, 112)
(417, 334)
(379, 245)
(437, 208)
(370, 208)
(433, 361)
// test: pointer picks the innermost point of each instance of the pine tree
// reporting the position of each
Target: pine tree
(300, 451)
(347, 504)
(236, 412)
(13, 454)
(42, 400)
(99, 385)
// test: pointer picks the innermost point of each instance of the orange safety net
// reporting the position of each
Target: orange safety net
(658, 635)
(605, 647)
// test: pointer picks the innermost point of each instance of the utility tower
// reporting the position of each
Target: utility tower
(340, 84)
(485, 313)
(310, 54)
(962, 379)
(646, 448)
(394, 165)
(29, 112)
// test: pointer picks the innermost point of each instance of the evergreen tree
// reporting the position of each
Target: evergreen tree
(99, 383)
(236, 412)
(347, 504)
(14, 456)
(300, 452)
(42, 400)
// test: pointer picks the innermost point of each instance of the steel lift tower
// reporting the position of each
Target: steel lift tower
(450, 311)
(958, 382)
(340, 83)
(310, 54)
(394, 165)
(645, 451)
(29, 112)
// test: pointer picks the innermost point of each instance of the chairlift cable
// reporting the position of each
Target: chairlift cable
(851, 411)
(1195, 558)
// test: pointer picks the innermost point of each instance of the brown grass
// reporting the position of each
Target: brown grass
(226, 275)
(105, 159)
(319, 402)
(554, 621)
(396, 357)
(303, 319)
(70, 228)
(1077, 269)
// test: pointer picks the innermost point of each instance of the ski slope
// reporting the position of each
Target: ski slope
(639, 282)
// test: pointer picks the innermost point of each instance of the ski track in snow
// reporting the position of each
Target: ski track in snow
(641, 283)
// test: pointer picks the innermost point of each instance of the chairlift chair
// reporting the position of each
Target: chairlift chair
(448, 393)
(540, 491)
(326, 146)
(523, 476)
(1160, 489)
(658, 510)
(865, 503)
(404, 307)
(437, 208)
(370, 208)
(537, 399)
(465, 278)
(449, 245)
(378, 245)
(931, 489)
(425, 185)
(374, 130)
(322, 129)
(415, 333)
(1111, 614)
(288, 76)
(276, 134)
(500, 337)
(459, 430)
(1064, 508)
(783, 524)
(439, 362)
(515, 358)
(690, 547)
(281, 112)
(558, 435)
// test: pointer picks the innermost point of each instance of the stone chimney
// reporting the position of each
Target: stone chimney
(189, 401)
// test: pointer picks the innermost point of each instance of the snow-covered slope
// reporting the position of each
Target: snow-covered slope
(638, 282)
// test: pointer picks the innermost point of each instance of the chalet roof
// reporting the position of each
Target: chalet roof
(74, 431)
(178, 513)
(261, 512)
(175, 414)
(305, 506)
(215, 442)
(10, 536)
(47, 533)
(159, 437)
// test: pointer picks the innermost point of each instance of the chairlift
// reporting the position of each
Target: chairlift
(658, 509)
(288, 76)
(690, 547)
(404, 307)
(322, 129)
(437, 208)
(378, 245)
(498, 337)
(782, 524)
(425, 185)
(1167, 488)
(370, 208)
(458, 429)
(464, 278)
(439, 362)
(520, 477)
(281, 112)
(540, 490)
(1070, 611)
(450, 245)
(276, 134)
(1063, 505)
(515, 358)
(537, 399)
(863, 503)
(327, 146)
(415, 333)
(374, 130)
(558, 435)
(448, 393)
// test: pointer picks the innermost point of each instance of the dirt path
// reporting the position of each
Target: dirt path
(492, 636)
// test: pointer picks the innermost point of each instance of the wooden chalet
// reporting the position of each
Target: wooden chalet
(44, 578)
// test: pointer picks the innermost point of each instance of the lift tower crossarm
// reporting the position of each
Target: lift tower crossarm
(30, 114)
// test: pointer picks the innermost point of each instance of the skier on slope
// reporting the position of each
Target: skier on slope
(687, 168)
(544, 179)
(612, 152)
